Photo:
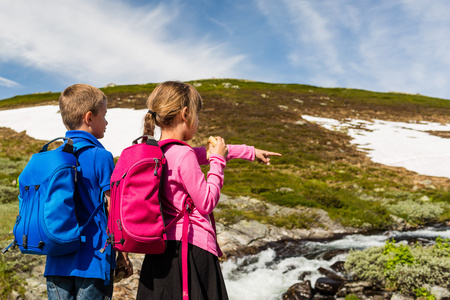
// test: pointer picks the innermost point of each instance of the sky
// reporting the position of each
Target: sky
(383, 45)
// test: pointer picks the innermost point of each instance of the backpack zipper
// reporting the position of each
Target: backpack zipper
(156, 166)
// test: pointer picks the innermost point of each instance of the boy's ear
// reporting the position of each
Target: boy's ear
(87, 118)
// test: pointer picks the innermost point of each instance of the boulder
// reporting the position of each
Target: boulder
(328, 286)
(331, 274)
(299, 291)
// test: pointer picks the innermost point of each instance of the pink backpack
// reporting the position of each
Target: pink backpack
(135, 221)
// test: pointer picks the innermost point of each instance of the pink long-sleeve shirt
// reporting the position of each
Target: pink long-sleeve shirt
(183, 177)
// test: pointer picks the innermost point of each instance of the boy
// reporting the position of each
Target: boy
(87, 273)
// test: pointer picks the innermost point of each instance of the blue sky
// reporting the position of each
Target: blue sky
(383, 45)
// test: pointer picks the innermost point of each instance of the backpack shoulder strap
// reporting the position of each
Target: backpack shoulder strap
(67, 147)
(184, 213)
(172, 141)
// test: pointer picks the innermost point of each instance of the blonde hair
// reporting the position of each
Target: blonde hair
(167, 100)
(78, 99)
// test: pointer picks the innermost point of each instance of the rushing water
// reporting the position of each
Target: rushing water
(268, 274)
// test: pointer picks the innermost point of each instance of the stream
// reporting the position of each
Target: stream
(268, 274)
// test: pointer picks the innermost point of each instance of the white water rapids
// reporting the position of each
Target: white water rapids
(267, 276)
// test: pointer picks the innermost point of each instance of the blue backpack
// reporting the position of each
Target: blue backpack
(47, 223)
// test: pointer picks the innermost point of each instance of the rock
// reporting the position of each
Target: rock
(301, 123)
(398, 296)
(332, 253)
(328, 286)
(302, 276)
(338, 266)
(323, 297)
(15, 295)
(299, 291)
(424, 199)
(284, 190)
(357, 286)
(289, 268)
(331, 274)
(399, 224)
(440, 293)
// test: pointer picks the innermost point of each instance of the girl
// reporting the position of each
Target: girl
(174, 107)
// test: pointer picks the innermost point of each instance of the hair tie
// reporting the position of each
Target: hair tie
(152, 113)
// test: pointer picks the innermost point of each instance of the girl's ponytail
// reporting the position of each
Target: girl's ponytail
(150, 123)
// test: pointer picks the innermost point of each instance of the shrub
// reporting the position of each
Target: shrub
(397, 255)
(351, 297)
(424, 294)
(367, 265)
(416, 211)
(8, 194)
(400, 267)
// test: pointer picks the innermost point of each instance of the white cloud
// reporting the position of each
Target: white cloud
(379, 46)
(7, 82)
(309, 32)
(108, 41)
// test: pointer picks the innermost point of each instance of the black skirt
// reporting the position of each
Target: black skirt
(161, 275)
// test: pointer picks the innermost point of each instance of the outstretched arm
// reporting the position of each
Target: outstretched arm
(263, 156)
(238, 151)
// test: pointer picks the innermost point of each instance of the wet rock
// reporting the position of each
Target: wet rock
(328, 286)
(299, 291)
(333, 253)
(289, 268)
(302, 276)
(338, 266)
(331, 274)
